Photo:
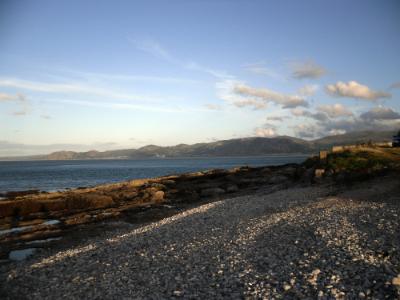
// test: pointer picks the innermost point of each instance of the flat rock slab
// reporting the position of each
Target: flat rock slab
(295, 243)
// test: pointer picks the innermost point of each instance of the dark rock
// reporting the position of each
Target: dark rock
(232, 188)
(211, 192)
(277, 179)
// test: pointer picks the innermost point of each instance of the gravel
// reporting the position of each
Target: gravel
(296, 243)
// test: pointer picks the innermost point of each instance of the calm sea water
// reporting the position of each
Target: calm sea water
(58, 175)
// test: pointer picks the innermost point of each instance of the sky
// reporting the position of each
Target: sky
(82, 75)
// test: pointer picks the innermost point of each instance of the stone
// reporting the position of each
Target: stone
(158, 196)
(319, 173)
(396, 280)
(323, 155)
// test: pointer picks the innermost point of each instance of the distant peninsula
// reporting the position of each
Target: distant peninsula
(251, 146)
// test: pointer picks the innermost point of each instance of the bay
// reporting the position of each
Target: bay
(60, 175)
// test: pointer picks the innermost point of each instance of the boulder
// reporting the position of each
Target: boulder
(158, 197)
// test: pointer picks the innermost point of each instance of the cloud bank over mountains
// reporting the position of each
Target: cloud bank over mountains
(312, 108)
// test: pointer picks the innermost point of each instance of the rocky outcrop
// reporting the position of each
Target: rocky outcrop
(25, 217)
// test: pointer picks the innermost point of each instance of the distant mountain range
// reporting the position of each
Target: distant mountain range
(251, 146)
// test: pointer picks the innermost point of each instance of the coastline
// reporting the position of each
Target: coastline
(116, 200)
(40, 175)
(333, 215)
(280, 239)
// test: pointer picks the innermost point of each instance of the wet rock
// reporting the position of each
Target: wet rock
(19, 255)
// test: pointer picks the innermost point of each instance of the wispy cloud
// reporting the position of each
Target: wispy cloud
(73, 87)
(277, 118)
(8, 97)
(211, 106)
(152, 47)
(254, 103)
(395, 85)
(124, 106)
(353, 89)
(8, 148)
(155, 49)
(261, 68)
(306, 69)
(20, 100)
(215, 73)
(95, 76)
(286, 101)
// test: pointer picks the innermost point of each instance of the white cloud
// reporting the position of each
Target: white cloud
(337, 132)
(308, 90)
(286, 101)
(353, 89)
(307, 69)
(335, 110)
(265, 132)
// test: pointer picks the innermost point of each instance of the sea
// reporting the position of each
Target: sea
(64, 174)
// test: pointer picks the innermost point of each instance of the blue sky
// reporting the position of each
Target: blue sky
(81, 75)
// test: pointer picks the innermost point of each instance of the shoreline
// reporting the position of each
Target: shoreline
(82, 206)
(325, 228)
(164, 158)
(276, 232)
(97, 172)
